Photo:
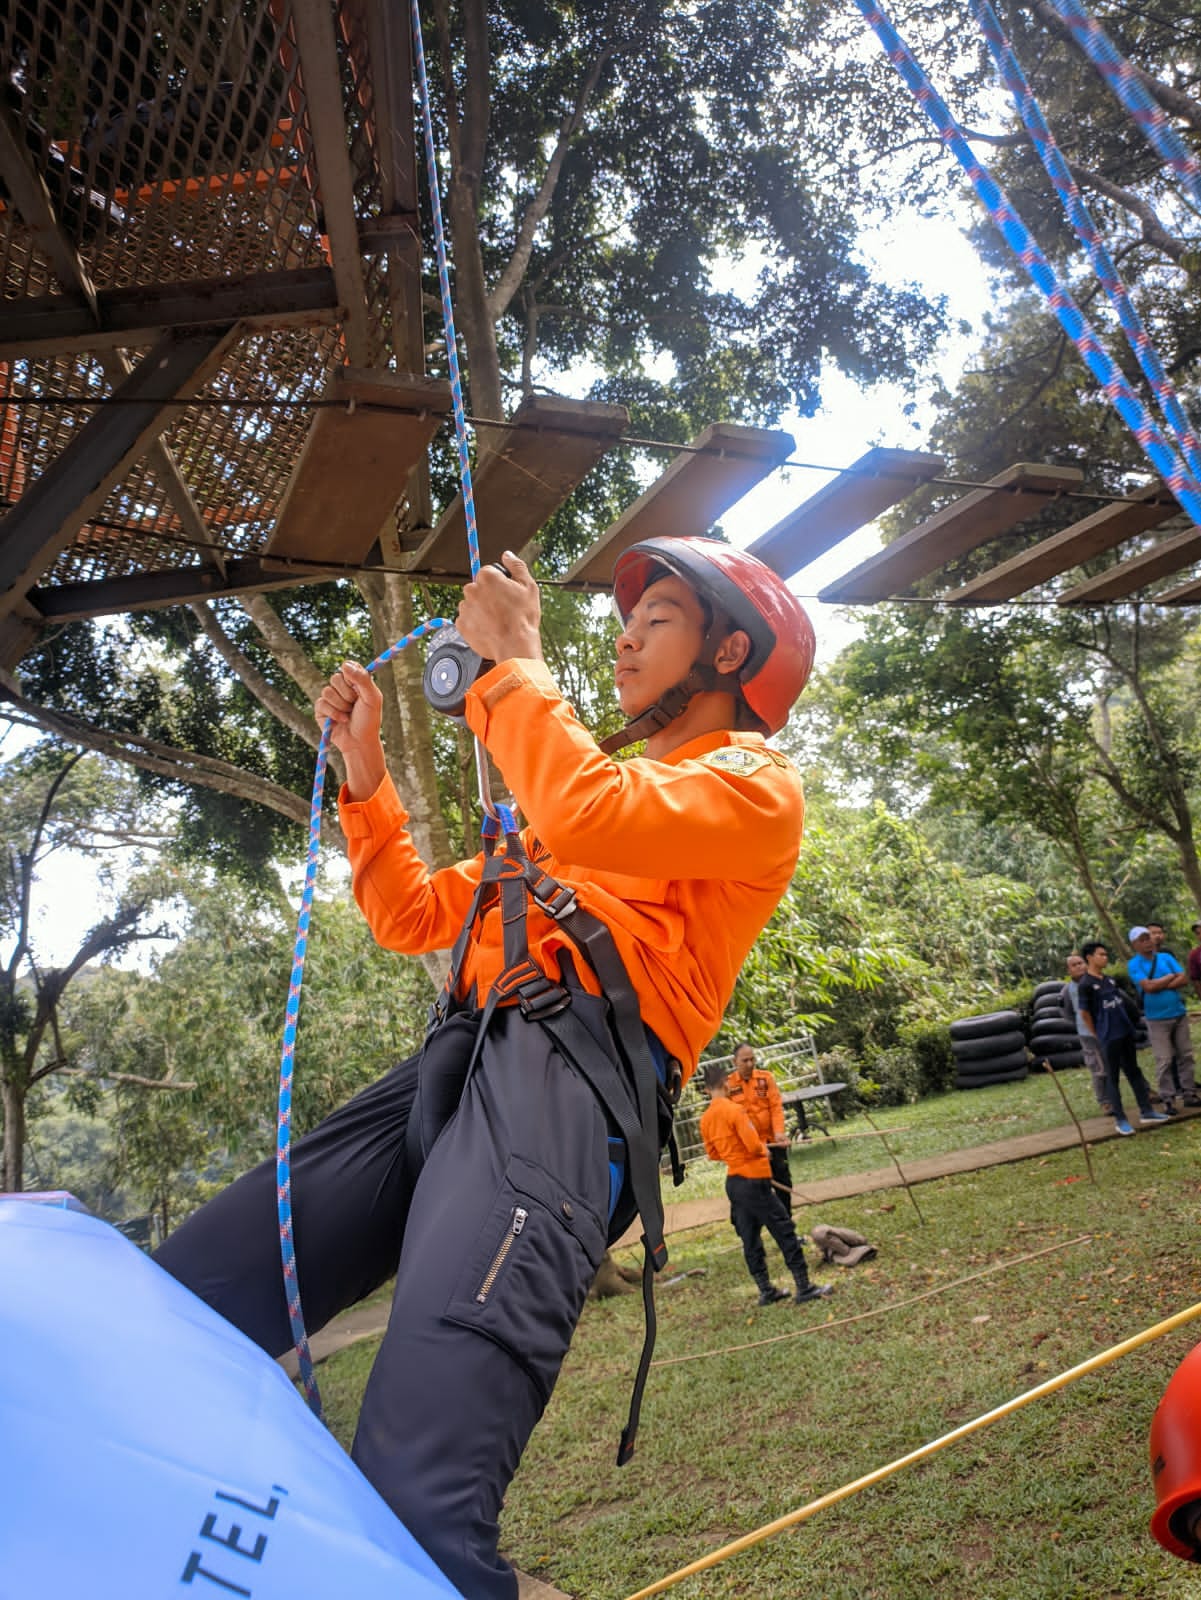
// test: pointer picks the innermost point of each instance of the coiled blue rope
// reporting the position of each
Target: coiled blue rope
(1082, 221)
(283, 1142)
(1072, 320)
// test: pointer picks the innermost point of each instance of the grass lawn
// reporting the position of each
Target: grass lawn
(1050, 1502)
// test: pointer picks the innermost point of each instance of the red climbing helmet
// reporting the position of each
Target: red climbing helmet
(1176, 1461)
(751, 595)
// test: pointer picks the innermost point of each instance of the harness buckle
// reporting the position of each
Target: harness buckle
(539, 997)
(555, 899)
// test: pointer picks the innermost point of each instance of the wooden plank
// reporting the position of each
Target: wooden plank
(971, 521)
(1103, 530)
(50, 513)
(1187, 594)
(857, 496)
(147, 591)
(553, 444)
(46, 325)
(352, 469)
(1128, 577)
(721, 464)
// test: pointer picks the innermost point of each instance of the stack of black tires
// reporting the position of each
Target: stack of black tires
(988, 1049)
(1053, 1035)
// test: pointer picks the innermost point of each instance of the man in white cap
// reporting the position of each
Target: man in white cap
(1160, 978)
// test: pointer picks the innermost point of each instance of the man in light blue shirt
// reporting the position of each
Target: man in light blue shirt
(1159, 978)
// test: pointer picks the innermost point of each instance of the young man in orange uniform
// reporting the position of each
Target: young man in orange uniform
(758, 1093)
(732, 1138)
(593, 962)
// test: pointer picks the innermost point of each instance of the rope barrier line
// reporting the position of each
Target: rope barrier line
(923, 1453)
(1081, 218)
(877, 1311)
(1162, 455)
(861, 1316)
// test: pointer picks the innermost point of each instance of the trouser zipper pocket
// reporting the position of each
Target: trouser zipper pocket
(516, 1224)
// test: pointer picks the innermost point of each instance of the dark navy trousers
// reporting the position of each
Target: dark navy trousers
(486, 1192)
(755, 1205)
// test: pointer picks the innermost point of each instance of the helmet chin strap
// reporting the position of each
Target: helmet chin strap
(668, 707)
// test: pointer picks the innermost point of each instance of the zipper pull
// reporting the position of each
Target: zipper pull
(519, 1219)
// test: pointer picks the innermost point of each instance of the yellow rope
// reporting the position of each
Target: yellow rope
(1169, 1325)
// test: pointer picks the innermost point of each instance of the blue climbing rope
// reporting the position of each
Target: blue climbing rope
(504, 817)
(1162, 455)
(283, 1126)
(1124, 80)
(448, 316)
(1088, 233)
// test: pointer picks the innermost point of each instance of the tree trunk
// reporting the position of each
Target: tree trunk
(12, 1172)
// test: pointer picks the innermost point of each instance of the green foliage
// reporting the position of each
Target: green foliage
(211, 1014)
(878, 931)
(929, 1044)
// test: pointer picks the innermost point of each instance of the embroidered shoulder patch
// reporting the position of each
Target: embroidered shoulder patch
(736, 759)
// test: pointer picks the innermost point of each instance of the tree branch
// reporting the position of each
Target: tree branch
(150, 755)
(477, 94)
(280, 707)
(1174, 101)
(442, 22)
(1153, 230)
(535, 212)
(125, 1077)
(285, 652)
(28, 859)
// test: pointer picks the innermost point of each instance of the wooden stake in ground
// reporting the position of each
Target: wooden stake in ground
(1083, 1141)
(879, 1132)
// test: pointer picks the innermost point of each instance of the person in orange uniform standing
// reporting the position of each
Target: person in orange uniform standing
(733, 1139)
(758, 1093)
(593, 960)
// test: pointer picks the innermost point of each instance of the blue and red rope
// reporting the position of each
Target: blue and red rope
(1162, 455)
(1086, 229)
(283, 1142)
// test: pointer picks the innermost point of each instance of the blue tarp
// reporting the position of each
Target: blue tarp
(148, 1449)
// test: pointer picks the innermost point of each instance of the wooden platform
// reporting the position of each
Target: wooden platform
(879, 479)
(550, 448)
(720, 465)
(969, 522)
(1103, 530)
(1128, 577)
(356, 459)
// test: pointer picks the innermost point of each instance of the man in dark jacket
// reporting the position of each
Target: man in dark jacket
(1103, 1012)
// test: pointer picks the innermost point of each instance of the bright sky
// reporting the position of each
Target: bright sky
(935, 253)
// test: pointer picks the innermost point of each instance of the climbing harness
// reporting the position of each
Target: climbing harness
(635, 1086)
(1162, 455)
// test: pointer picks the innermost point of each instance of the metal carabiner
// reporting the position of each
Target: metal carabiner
(485, 784)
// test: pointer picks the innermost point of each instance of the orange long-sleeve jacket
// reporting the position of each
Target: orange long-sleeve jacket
(732, 1138)
(683, 859)
(759, 1097)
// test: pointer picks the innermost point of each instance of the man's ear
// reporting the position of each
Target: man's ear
(732, 652)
